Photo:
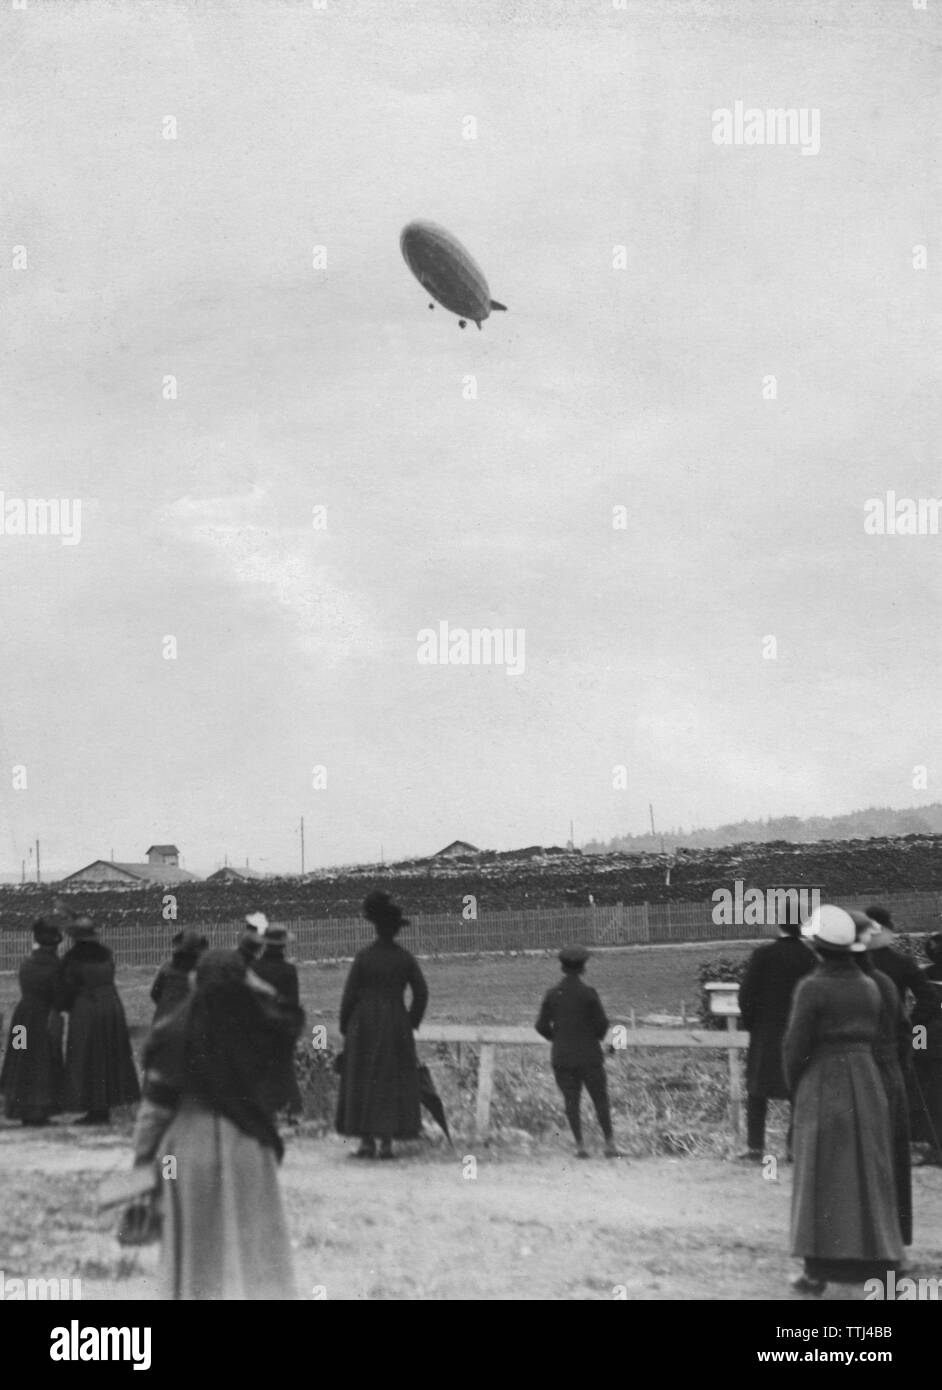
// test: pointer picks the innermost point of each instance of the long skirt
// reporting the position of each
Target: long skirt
(844, 1214)
(99, 1067)
(31, 1079)
(224, 1231)
(898, 1102)
(379, 1079)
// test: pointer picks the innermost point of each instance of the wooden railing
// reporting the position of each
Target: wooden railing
(489, 1037)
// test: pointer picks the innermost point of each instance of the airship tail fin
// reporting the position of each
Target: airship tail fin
(495, 305)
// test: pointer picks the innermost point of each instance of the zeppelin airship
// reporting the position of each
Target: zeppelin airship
(443, 267)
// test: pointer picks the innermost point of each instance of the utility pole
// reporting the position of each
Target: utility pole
(23, 870)
(572, 838)
(38, 874)
(302, 844)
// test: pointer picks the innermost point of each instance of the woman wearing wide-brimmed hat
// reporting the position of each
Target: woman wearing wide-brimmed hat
(224, 1232)
(927, 1059)
(844, 1222)
(31, 1078)
(99, 1068)
(379, 1080)
(889, 1052)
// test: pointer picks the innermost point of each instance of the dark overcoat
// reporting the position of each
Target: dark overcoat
(887, 1054)
(379, 1080)
(901, 969)
(99, 1068)
(926, 1111)
(31, 1078)
(573, 1019)
(280, 1089)
(765, 997)
(171, 986)
(844, 1193)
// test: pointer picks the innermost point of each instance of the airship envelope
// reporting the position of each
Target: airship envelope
(443, 267)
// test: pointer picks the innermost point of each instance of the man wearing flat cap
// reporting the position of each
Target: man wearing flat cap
(573, 1020)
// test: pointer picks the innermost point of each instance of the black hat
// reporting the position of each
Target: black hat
(46, 931)
(189, 939)
(81, 927)
(881, 915)
(573, 955)
(277, 934)
(379, 908)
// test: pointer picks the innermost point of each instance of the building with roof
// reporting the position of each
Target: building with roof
(458, 849)
(230, 874)
(162, 866)
(163, 854)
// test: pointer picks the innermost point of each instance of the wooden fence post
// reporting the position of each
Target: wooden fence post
(735, 1090)
(482, 1114)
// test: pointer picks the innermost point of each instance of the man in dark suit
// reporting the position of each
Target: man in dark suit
(765, 998)
(573, 1020)
(279, 1088)
(908, 979)
(902, 969)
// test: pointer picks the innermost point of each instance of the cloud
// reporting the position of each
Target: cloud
(283, 564)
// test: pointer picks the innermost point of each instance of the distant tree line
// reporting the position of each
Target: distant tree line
(875, 821)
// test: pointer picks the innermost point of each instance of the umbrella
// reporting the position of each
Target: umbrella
(433, 1101)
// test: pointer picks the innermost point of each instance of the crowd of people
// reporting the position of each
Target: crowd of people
(830, 1027)
(832, 1033)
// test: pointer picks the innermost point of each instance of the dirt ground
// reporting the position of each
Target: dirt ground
(530, 1225)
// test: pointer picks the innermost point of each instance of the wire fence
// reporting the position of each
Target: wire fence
(433, 934)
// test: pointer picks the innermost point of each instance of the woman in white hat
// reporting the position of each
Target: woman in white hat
(844, 1222)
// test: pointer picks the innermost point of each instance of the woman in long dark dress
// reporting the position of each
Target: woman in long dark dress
(31, 1078)
(887, 1053)
(99, 1068)
(379, 1079)
(844, 1222)
(224, 1233)
(927, 1060)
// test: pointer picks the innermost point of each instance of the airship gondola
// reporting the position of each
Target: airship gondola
(445, 269)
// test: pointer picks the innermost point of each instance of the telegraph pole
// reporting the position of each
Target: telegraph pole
(302, 844)
(38, 875)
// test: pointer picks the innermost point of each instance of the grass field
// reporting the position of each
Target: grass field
(486, 989)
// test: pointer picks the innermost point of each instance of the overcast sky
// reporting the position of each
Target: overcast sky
(600, 387)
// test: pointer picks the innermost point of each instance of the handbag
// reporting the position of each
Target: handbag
(141, 1222)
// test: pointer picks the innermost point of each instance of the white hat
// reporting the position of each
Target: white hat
(258, 921)
(862, 923)
(832, 926)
